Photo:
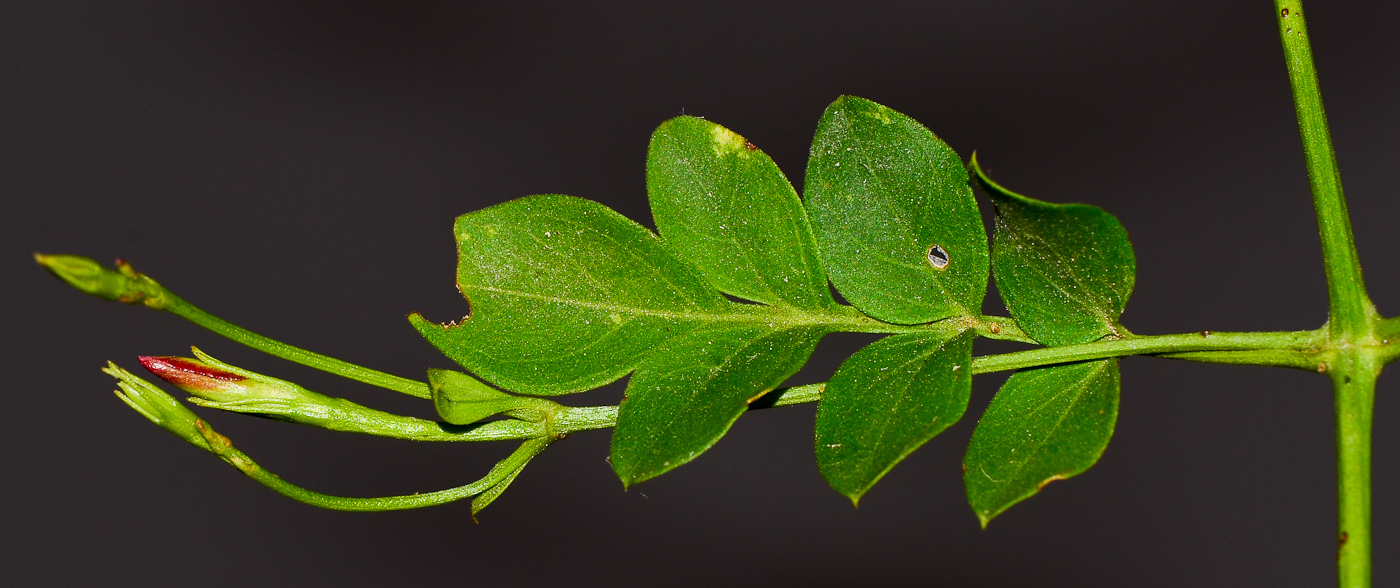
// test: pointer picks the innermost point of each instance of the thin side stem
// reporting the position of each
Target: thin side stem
(1296, 341)
(1291, 348)
(527, 450)
(1350, 311)
(293, 353)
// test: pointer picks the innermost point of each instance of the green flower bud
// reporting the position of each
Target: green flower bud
(123, 285)
(165, 411)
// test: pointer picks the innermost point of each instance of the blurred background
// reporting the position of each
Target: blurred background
(295, 167)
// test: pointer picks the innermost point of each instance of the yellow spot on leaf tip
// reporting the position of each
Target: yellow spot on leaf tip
(880, 113)
(725, 141)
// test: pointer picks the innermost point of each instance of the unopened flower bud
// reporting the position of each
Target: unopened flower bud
(219, 385)
(160, 408)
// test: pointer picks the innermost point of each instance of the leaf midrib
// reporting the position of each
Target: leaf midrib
(788, 316)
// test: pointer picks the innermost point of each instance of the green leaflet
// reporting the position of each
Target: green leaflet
(889, 203)
(888, 400)
(1045, 424)
(723, 205)
(1065, 271)
(568, 295)
(685, 399)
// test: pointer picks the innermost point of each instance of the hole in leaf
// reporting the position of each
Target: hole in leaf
(738, 299)
(938, 257)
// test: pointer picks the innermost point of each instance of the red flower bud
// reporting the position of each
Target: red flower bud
(192, 375)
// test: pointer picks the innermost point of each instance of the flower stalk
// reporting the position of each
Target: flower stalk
(216, 384)
(166, 412)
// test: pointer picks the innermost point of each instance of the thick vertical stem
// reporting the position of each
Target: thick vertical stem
(1351, 318)
(1354, 380)
(1350, 311)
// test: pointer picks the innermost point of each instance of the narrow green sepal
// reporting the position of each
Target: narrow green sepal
(160, 408)
(506, 471)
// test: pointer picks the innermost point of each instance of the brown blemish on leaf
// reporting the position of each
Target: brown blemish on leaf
(1043, 483)
(750, 146)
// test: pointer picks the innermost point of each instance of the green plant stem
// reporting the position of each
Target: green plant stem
(1353, 326)
(1288, 348)
(1350, 312)
(1354, 384)
(198, 316)
(527, 450)
(1296, 349)
(1300, 343)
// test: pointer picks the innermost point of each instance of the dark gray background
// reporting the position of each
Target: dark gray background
(295, 168)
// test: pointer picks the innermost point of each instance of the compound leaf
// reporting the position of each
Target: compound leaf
(887, 400)
(896, 224)
(1065, 271)
(722, 204)
(684, 400)
(1045, 424)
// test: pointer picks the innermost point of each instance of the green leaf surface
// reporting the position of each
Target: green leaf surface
(1065, 271)
(895, 220)
(461, 399)
(1045, 424)
(887, 400)
(686, 398)
(568, 295)
(722, 204)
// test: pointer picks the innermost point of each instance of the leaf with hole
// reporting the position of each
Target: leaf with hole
(888, 400)
(1045, 424)
(1065, 271)
(896, 224)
